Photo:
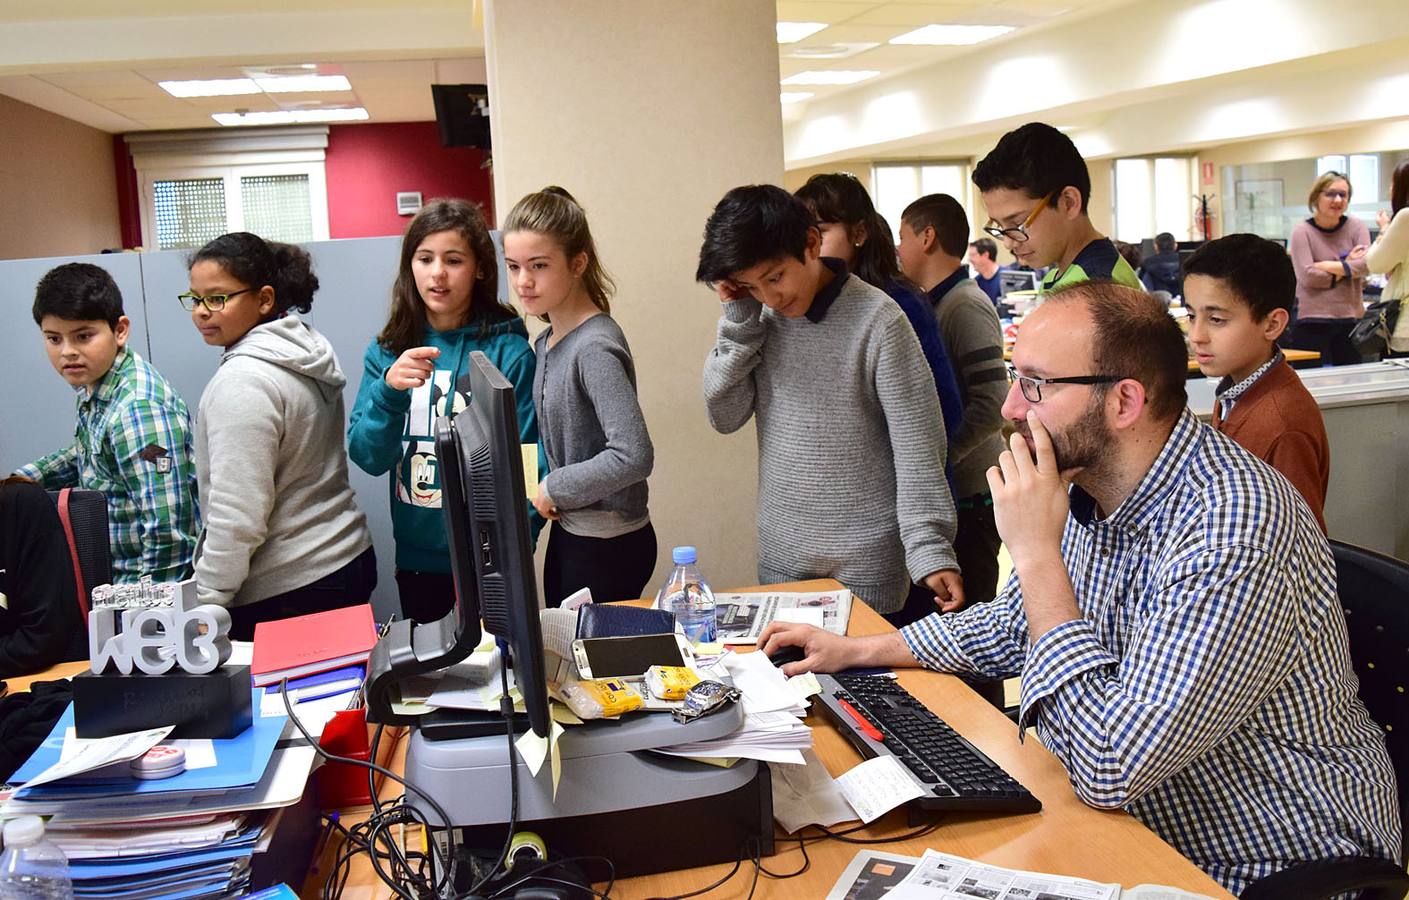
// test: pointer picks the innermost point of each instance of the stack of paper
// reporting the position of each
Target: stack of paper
(189, 836)
(774, 706)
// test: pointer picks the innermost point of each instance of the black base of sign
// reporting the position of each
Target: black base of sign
(216, 705)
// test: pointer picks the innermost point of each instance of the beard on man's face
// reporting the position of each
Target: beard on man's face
(1082, 444)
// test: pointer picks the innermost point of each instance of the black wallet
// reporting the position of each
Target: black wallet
(618, 620)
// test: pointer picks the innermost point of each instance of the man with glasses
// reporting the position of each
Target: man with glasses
(133, 437)
(1036, 189)
(1172, 612)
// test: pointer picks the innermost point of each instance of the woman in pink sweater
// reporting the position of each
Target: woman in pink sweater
(1328, 252)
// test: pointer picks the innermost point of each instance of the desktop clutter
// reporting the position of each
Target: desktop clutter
(165, 777)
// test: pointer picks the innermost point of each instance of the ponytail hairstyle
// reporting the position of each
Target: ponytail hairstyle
(838, 197)
(407, 323)
(555, 213)
(249, 258)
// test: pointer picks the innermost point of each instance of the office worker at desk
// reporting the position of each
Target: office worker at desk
(1174, 618)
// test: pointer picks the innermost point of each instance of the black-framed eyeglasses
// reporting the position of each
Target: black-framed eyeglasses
(1032, 387)
(215, 302)
(1018, 234)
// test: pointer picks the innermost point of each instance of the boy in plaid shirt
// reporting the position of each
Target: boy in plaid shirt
(133, 437)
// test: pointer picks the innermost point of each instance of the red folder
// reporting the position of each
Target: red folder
(305, 645)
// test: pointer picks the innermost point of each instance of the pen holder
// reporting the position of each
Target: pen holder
(342, 784)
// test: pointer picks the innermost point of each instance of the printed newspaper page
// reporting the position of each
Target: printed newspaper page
(870, 875)
(939, 876)
(741, 618)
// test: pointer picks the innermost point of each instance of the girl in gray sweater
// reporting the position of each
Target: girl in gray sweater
(584, 392)
(283, 533)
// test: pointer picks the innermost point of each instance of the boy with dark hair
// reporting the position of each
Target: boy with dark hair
(983, 256)
(1160, 272)
(1036, 189)
(1240, 290)
(850, 434)
(133, 436)
(933, 239)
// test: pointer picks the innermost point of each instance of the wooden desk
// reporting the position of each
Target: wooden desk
(1066, 837)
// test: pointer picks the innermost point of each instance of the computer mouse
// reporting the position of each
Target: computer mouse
(784, 655)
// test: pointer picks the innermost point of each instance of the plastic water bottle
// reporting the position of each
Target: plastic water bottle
(688, 596)
(32, 868)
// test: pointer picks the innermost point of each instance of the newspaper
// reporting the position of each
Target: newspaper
(741, 618)
(939, 876)
(870, 875)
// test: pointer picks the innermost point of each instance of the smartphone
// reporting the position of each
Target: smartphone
(629, 657)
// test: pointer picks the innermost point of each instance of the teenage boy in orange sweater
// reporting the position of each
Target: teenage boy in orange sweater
(1240, 290)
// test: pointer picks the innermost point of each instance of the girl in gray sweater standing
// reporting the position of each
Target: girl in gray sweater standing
(584, 391)
(283, 533)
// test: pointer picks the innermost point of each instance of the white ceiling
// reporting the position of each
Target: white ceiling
(74, 58)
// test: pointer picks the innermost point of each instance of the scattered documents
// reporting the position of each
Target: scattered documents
(741, 618)
(773, 730)
(878, 785)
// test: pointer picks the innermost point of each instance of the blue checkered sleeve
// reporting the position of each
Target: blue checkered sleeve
(985, 640)
(1123, 725)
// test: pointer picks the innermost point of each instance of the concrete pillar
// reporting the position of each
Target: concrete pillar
(648, 111)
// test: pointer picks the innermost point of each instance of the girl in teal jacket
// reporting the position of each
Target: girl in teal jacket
(444, 305)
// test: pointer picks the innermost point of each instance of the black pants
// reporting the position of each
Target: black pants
(348, 586)
(614, 568)
(1329, 337)
(425, 596)
(976, 545)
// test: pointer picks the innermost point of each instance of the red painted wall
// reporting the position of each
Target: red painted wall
(367, 164)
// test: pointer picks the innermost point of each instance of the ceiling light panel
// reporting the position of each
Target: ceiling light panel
(831, 76)
(840, 50)
(792, 32)
(210, 87)
(951, 35)
(303, 84)
(795, 96)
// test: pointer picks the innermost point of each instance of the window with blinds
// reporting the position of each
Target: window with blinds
(189, 211)
(276, 207)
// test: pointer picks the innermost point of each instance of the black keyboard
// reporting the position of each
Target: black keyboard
(955, 775)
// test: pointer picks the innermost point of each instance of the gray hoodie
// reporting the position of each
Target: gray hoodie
(278, 512)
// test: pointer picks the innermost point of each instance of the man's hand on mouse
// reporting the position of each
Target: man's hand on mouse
(823, 651)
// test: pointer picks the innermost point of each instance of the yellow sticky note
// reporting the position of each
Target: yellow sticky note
(534, 749)
(555, 755)
(561, 713)
(530, 469)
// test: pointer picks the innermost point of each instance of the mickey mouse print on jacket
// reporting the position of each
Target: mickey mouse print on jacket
(394, 431)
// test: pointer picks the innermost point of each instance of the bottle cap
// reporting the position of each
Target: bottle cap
(23, 831)
(683, 556)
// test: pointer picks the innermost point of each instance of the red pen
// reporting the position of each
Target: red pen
(866, 727)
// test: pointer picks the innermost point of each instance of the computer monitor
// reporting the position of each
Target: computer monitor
(1010, 280)
(486, 517)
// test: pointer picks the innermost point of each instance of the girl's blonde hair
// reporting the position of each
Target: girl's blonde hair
(1325, 181)
(555, 213)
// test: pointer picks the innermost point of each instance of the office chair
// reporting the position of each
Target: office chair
(85, 517)
(1374, 590)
